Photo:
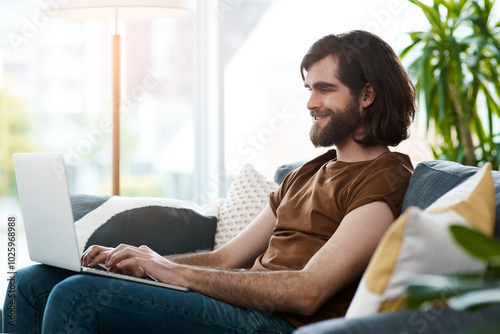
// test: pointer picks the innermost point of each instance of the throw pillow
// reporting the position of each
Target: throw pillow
(419, 242)
(247, 197)
(83, 204)
(165, 225)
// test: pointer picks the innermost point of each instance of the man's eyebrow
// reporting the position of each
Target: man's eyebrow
(322, 84)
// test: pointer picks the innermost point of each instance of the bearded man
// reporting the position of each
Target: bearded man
(301, 259)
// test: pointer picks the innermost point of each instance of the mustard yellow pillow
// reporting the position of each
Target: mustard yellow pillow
(419, 242)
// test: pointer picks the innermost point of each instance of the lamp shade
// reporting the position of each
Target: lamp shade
(122, 9)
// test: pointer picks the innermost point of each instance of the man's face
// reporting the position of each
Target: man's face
(335, 112)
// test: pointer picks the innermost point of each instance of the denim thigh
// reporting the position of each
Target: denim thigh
(92, 304)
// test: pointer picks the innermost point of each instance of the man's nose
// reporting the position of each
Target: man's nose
(313, 103)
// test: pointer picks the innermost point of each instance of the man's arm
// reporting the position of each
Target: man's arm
(343, 258)
(240, 252)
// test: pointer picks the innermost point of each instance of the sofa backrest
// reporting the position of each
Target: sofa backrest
(283, 170)
(432, 179)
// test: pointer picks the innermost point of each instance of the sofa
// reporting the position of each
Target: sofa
(170, 226)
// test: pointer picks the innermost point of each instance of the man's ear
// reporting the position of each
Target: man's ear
(368, 95)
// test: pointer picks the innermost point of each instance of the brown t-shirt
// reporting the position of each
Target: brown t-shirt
(310, 205)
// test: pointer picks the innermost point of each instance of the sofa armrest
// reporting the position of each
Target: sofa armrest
(430, 321)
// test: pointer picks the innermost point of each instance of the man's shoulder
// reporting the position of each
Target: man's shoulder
(394, 160)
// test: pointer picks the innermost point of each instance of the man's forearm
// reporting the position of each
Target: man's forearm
(200, 259)
(273, 291)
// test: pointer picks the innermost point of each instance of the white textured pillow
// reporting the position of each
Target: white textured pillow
(247, 197)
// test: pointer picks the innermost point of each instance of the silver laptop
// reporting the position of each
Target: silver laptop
(48, 216)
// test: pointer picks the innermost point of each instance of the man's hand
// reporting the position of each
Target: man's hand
(133, 261)
(95, 255)
(110, 258)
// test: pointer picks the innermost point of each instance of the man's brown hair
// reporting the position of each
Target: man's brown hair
(365, 58)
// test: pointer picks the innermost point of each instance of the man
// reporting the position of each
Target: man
(300, 260)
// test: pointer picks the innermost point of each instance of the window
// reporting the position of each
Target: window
(57, 88)
(55, 95)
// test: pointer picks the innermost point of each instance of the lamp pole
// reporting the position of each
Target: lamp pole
(116, 110)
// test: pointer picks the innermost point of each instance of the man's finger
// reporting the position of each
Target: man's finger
(91, 253)
(117, 255)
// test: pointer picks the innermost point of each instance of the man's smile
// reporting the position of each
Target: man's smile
(318, 115)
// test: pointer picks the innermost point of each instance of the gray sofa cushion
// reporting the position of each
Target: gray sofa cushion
(283, 170)
(432, 179)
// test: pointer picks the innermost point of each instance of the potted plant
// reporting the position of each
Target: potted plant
(455, 64)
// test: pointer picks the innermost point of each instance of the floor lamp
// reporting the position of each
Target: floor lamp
(120, 10)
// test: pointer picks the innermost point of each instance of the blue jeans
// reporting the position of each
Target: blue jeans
(52, 300)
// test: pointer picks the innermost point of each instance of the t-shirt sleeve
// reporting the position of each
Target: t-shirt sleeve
(276, 197)
(386, 183)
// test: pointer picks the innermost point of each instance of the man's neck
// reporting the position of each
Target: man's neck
(354, 152)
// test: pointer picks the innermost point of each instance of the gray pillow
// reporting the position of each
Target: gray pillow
(283, 170)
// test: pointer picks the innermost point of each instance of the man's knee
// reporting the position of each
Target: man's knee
(25, 280)
(38, 279)
(75, 285)
(84, 297)
(79, 289)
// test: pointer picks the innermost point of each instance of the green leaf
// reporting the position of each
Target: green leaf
(407, 49)
(472, 300)
(487, 329)
(422, 289)
(493, 107)
(432, 15)
(442, 90)
(460, 5)
(475, 243)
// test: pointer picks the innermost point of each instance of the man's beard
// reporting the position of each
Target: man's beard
(341, 124)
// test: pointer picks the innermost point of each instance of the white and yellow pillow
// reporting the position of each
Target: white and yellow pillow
(419, 242)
